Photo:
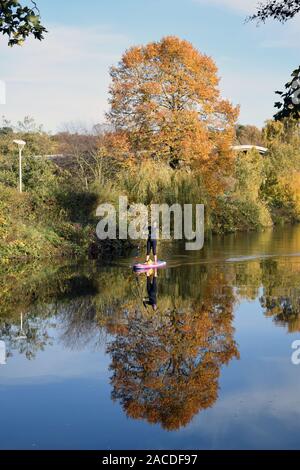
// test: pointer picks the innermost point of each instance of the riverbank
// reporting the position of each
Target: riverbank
(56, 214)
(63, 226)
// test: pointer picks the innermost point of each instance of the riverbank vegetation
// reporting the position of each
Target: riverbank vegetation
(168, 139)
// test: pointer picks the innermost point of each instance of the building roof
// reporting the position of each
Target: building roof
(246, 148)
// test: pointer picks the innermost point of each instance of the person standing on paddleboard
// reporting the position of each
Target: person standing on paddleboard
(152, 243)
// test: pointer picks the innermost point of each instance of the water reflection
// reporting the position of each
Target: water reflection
(167, 334)
(166, 366)
(281, 293)
(151, 285)
(27, 338)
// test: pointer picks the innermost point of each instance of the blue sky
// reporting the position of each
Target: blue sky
(66, 77)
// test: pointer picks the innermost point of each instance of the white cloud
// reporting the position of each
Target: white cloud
(245, 6)
(63, 78)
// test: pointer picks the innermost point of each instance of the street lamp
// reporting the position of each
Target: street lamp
(21, 144)
(22, 334)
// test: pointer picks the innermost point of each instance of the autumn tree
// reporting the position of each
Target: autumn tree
(18, 22)
(164, 97)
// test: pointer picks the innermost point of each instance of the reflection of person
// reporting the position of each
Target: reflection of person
(152, 243)
(151, 290)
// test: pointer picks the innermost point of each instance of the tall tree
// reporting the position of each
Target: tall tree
(164, 97)
(19, 21)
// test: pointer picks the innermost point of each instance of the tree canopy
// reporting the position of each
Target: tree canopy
(19, 21)
(281, 10)
(165, 100)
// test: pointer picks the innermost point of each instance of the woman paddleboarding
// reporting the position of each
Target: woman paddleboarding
(152, 244)
(151, 247)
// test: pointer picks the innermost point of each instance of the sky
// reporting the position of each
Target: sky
(64, 79)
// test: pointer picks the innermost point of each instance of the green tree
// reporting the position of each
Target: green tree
(281, 187)
(289, 107)
(19, 21)
(283, 10)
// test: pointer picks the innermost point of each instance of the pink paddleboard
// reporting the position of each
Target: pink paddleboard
(145, 267)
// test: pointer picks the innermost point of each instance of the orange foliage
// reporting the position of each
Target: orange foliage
(165, 99)
(166, 367)
(117, 146)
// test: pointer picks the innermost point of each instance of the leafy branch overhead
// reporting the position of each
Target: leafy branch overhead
(281, 10)
(290, 105)
(19, 22)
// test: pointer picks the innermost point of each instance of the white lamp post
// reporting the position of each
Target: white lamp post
(22, 334)
(21, 144)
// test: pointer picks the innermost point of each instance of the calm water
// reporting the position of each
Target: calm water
(92, 364)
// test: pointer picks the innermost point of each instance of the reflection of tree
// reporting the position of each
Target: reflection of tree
(281, 296)
(78, 300)
(33, 337)
(166, 366)
(284, 310)
(247, 279)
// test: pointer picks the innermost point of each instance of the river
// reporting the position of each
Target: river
(195, 356)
